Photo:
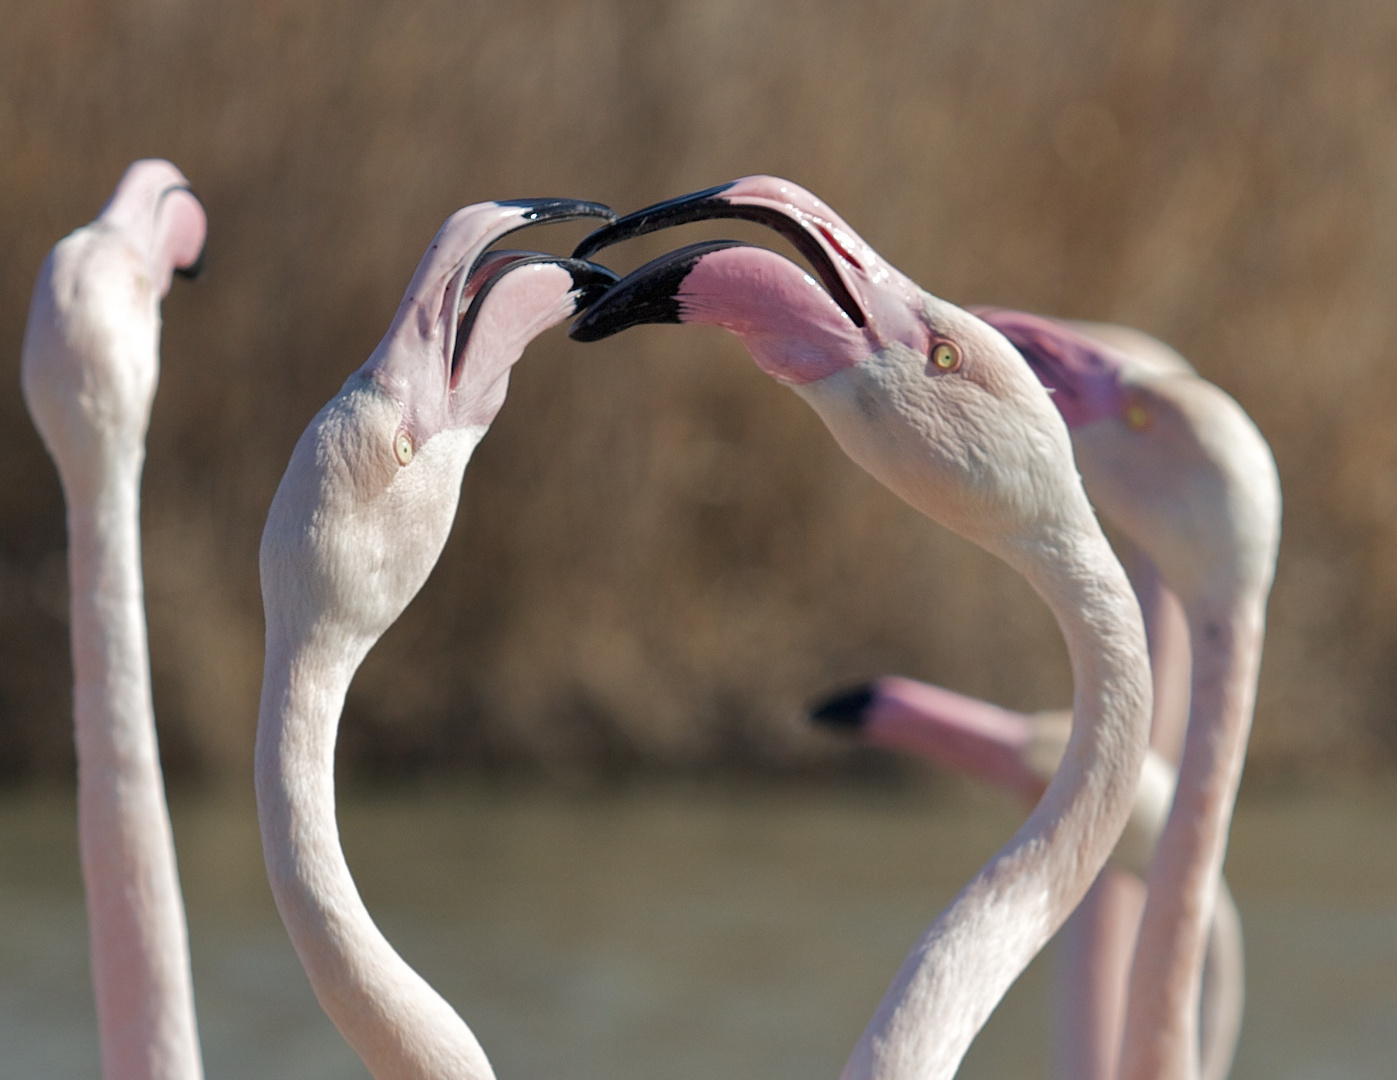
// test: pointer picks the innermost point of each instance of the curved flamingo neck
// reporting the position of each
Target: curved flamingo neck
(1161, 1032)
(136, 924)
(982, 942)
(399, 1025)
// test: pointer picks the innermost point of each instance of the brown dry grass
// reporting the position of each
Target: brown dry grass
(661, 555)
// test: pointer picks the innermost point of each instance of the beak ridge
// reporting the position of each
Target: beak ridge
(538, 211)
(697, 206)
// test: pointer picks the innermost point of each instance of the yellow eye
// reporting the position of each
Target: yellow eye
(402, 447)
(1137, 416)
(945, 356)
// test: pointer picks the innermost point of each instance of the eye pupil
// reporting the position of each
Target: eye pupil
(946, 356)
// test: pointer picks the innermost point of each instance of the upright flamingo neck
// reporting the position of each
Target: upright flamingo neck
(1166, 630)
(1161, 1033)
(981, 943)
(136, 923)
(1098, 943)
(397, 1023)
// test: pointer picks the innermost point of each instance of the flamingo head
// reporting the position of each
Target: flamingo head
(90, 358)
(1170, 457)
(367, 501)
(155, 209)
(928, 398)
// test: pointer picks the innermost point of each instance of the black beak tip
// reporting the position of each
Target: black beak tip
(597, 321)
(589, 281)
(846, 710)
(593, 242)
(193, 270)
(647, 295)
(586, 296)
(537, 211)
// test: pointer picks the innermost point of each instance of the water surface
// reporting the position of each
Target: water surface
(678, 934)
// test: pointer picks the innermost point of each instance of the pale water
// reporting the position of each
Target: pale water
(678, 935)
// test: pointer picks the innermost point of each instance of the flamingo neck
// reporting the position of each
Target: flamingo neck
(395, 1021)
(1098, 943)
(136, 924)
(982, 942)
(1166, 630)
(1161, 1033)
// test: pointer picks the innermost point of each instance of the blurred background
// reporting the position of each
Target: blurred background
(661, 555)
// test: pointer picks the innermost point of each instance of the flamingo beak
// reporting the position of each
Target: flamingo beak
(816, 232)
(589, 281)
(798, 330)
(955, 731)
(510, 215)
(193, 270)
(649, 295)
(846, 710)
(424, 356)
(189, 271)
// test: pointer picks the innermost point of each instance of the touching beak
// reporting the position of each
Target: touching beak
(797, 329)
(588, 282)
(815, 230)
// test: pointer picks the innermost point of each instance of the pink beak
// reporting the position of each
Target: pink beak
(955, 731)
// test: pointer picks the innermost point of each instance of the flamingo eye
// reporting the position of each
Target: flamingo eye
(403, 448)
(945, 356)
(1137, 417)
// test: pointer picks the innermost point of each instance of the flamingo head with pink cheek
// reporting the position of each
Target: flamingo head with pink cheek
(367, 501)
(928, 398)
(1169, 456)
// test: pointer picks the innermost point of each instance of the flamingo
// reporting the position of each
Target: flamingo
(89, 367)
(356, 525)
(938, 406)
(1184, 472)
(1020, 753)
(1148, 431)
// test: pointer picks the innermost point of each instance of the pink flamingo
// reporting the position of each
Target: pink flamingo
(89, 369)
(1184, 472)
(356, 525)
(1102, 375)
(938, 406)
(1020, 754)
